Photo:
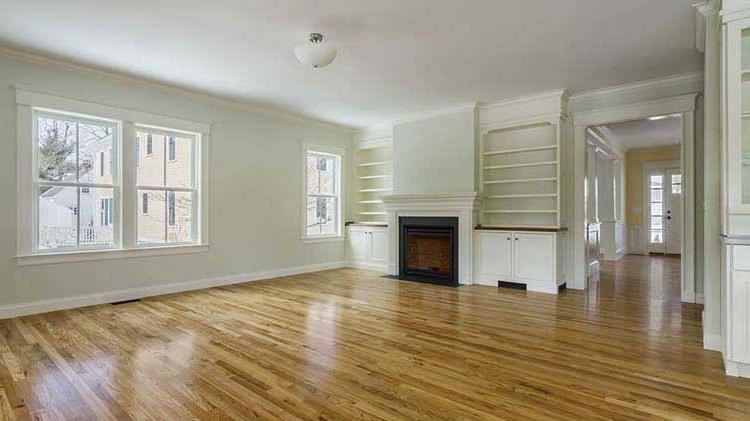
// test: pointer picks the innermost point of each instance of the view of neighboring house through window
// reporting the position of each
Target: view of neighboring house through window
(166, 188)
(323, 194)
(70, 187)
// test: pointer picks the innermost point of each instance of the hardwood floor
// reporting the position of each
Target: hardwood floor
(347, 344)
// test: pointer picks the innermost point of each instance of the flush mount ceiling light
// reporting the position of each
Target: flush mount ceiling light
(314, 53)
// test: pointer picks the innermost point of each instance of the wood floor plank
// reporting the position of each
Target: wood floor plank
(350, 344)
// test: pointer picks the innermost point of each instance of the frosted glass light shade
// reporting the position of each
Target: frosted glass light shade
(315, 54)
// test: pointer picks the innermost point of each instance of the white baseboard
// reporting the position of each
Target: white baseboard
(736, 369)
(359, 264)
(712, 341)
(699, 298)
(55, 304)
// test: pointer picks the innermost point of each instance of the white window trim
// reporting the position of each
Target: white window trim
(126, 212)
(340, 187)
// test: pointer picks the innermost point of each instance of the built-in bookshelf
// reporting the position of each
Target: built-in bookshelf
(520, 176)
(374, 172)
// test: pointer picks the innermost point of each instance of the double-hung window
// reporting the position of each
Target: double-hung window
(167, 189)
(68, 186)
(83, 188)
(322, 184)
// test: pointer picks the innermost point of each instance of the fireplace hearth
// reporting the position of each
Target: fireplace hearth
(429, 250)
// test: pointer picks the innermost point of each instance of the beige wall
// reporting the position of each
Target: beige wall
(634, 160)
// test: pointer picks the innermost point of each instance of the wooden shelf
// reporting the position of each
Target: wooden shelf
(374, 163)
(519, 150)
(369, 202)
(530, 164)
(373, 177)
(521, 211)
(521, 180)
(372, 213)
(521, 196)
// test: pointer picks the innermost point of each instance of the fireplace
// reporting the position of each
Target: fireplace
(428, 248)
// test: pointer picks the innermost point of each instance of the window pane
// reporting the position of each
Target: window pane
(179, 217)
(655, 181)
(313, 224)
(656, 237)
(656, 222)
(180, 169)
(313, 175)
(321, 216)
(656, 195)
(56, 140)
(676, 188)
(97, 217)
(96, 153)
(152, 225)
(327, 216)
(58, 217)
(326, 167)
(656, 209)
(151, 165)
(676, 178)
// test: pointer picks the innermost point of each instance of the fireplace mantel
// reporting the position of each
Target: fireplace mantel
(464, 206)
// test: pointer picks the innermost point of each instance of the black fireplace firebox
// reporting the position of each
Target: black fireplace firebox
(428, 250)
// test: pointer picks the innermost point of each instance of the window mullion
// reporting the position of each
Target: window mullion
(128, 199)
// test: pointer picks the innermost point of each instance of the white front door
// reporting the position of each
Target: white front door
(664, 210)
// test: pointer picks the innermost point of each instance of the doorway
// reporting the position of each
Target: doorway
(663, 221)
(681, 108)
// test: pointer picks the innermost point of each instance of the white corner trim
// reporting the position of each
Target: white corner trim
(362, 264)
(44, 306)
(90, 255)
(736, 368)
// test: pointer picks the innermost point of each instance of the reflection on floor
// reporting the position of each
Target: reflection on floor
(348, 344)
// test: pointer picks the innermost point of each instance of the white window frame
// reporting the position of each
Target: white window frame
(340, 155)
(28, 103)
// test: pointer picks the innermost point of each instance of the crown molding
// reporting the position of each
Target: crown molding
(427, 115)
(646, 85)
(36, 58)
(555, 94)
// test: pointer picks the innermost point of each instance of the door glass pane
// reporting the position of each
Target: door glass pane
(656, 209)
(58, 217)
(656, 223)
(656, 195)
(656, 237)
(655, 181)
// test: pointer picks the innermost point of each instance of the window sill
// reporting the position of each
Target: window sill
(326, 239)
(85, 256)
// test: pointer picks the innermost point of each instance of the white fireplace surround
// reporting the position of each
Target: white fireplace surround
(464, 206)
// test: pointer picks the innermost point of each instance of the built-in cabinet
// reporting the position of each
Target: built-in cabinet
(736, 187)
(374, 172)
(522, 257)
(367, 246)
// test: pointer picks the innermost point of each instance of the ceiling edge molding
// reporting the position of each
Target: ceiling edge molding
(685, 79)
(555, 94)
(36, 58)
(427, 115)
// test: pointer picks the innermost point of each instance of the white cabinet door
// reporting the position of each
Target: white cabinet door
(495, 257)
(534, 257)
(379, 245)
(358, 244)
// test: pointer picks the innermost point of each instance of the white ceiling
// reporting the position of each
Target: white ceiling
(396, 58)
(645, 133)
